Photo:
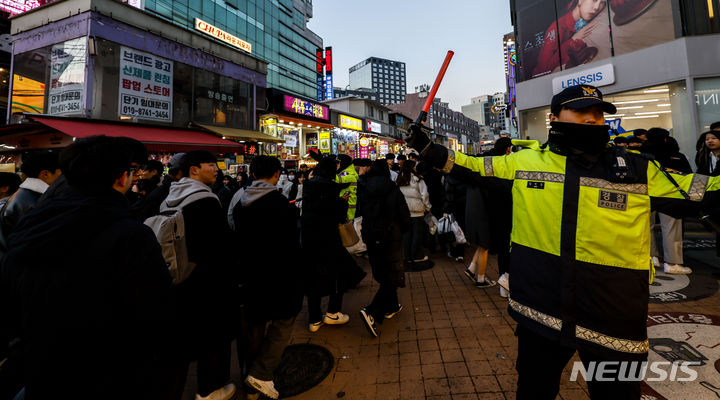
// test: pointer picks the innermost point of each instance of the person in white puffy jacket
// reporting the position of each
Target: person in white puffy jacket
(416, 195)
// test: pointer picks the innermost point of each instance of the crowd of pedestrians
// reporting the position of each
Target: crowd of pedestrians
(89, 300)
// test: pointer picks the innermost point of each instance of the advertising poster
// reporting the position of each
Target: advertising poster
(145, 86)
(561, 34)
(632, 24)
(67, 77)
(324, 142)
(537, 29)
(583, 31)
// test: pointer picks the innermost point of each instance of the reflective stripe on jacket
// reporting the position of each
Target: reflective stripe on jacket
(349, 175)
(580, 261)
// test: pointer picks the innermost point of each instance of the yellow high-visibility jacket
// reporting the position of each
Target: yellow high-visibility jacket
(580, 260)
(349, 175)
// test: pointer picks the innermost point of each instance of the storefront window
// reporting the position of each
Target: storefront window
(51, 80)
(220, 100)
(664, 106)
(707, 99)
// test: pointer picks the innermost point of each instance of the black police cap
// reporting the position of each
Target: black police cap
(581, 96)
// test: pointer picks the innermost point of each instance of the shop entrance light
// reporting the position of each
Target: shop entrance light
(635, 101)
(656, 90)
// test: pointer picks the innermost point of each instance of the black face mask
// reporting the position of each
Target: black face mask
(589, 139)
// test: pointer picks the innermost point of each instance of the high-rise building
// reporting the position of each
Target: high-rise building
(386, 77)
(277, 31)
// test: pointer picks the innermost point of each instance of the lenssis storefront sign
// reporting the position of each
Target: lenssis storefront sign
(350, 123)
(304, 107)
(220, 34)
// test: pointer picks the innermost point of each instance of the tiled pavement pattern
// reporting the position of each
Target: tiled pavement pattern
(451, 341)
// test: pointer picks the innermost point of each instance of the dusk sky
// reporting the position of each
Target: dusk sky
(419, 33)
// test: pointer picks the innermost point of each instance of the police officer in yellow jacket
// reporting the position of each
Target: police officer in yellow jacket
(347, 174)
(580, 261)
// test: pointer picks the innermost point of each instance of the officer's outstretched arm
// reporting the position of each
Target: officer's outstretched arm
(445, 159)
(680, 195)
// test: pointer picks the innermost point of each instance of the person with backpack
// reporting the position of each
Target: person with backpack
(204, 297)
(270, 278)
(386, 218)
(86, 286)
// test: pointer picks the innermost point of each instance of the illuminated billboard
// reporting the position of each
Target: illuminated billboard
(28, 95)
(20, 6)
(556, 35)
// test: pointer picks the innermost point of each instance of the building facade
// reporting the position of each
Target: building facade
(659, 65)
(450, 128)
(386, 77)
(371, 94)
(277, 31)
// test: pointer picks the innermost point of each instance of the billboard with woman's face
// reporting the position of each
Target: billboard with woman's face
(555, 35)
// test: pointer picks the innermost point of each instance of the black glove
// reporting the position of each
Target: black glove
(418, 138)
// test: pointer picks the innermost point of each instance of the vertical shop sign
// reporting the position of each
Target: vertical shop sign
(328, 73)
(67, 77)
(324, 139)
(319, 62)
(364, 147)
(145, 86)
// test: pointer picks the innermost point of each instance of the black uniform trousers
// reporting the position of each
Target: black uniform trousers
(540, 364)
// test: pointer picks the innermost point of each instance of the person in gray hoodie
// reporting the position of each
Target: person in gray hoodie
(205, 298)
(266, 229)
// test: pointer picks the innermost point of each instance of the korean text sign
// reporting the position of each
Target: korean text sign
(67, 78)
(304, 107)
(145, 86)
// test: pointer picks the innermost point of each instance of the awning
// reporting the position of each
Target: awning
(155, 138)
(242, 134)
(305, 122)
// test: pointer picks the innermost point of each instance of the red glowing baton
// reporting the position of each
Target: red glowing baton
(426, 108)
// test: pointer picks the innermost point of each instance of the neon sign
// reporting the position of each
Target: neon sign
(304, 107)
(220, 34)
(18, 6)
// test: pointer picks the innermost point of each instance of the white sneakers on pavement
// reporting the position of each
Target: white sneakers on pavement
(337, 318)
(329, 319)
(656, 262)
(224, 393)
(265, 387)
(676, 269)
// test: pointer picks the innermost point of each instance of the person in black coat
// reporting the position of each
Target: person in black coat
(266, 227)
(708, 151)
(150, 205)
(206, 298)
(455, 203)
(327, 260)
(86, 286)
(386, 218)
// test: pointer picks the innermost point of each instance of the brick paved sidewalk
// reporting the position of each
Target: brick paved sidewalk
(451, 341)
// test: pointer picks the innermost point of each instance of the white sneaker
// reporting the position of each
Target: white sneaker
(224, 393)
(676, 269)
(265, 387)
(656, 262)
(504, 293)
(336, 318)
(314, 327)
(504, 282)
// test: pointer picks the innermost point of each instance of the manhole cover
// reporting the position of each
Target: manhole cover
(303, 366)
(668, 288)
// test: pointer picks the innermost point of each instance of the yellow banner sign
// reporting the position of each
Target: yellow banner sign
(220, 34)
(324, 138)
(350, 123)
